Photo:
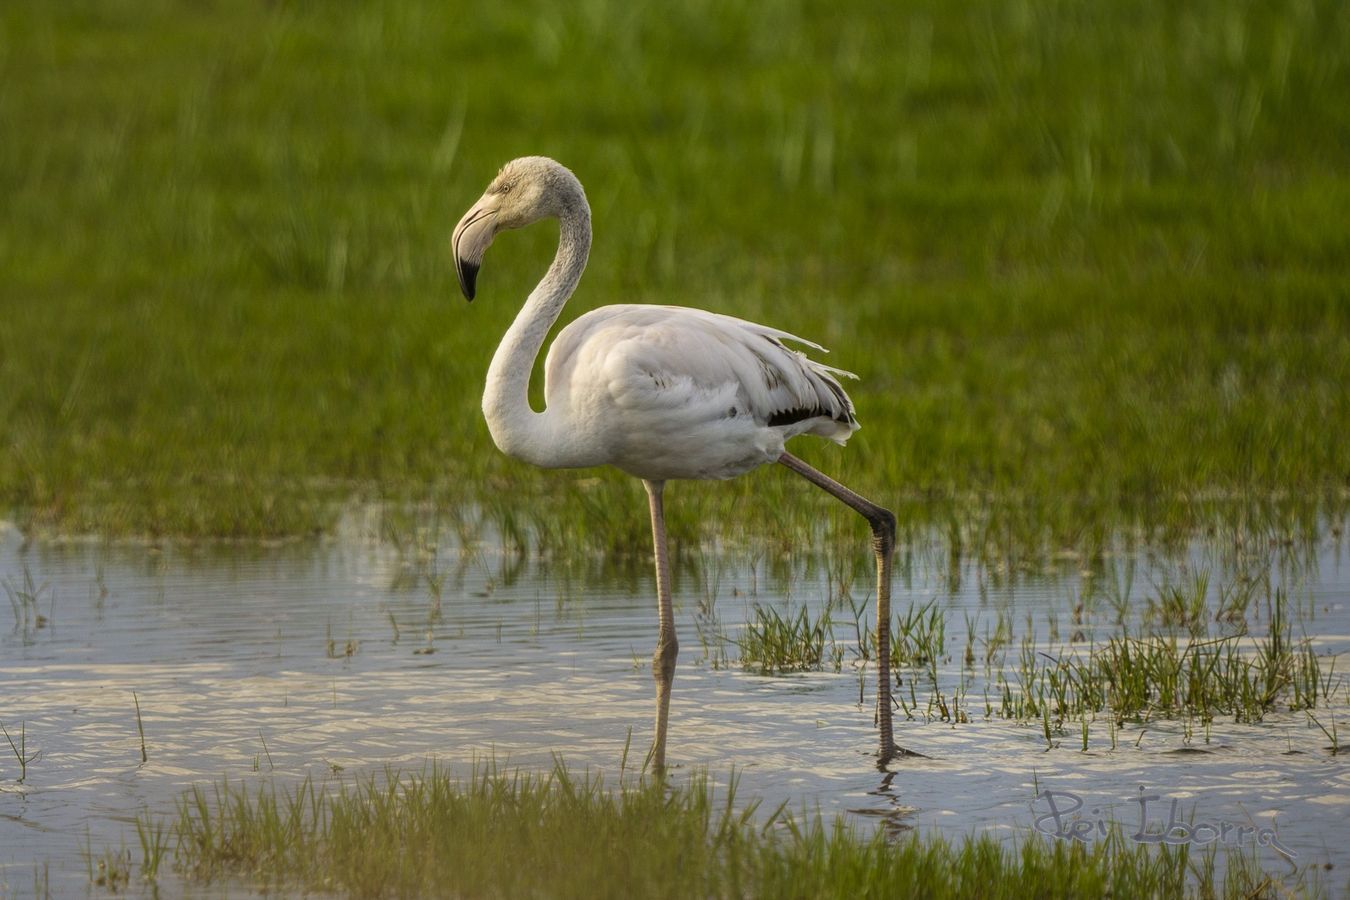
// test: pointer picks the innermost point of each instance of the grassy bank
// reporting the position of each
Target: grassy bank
(562, 835)
(1089, 261)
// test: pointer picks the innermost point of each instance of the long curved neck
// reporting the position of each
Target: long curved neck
(517, 429)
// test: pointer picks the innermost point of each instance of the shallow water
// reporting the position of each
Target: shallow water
(338, 658)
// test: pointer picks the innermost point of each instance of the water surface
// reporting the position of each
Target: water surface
(340, 657)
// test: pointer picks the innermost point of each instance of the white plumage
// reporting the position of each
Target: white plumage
(660, 392)
(667, 392)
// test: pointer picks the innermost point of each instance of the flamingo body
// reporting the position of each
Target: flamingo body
(667, 392)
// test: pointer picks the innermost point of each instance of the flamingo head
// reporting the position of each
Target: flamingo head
(525, 190)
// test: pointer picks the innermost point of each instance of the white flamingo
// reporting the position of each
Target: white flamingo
(661, 392)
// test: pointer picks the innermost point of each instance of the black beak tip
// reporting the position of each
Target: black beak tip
(468, 279)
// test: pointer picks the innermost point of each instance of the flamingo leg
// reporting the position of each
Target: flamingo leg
(667, 647)
(882, 522)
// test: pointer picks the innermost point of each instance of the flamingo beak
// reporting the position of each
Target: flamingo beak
(472, 236)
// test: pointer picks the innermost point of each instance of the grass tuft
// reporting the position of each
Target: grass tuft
(773, 643)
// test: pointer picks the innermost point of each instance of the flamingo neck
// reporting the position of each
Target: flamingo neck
(517, 429)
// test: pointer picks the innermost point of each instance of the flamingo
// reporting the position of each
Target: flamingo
(659, 392)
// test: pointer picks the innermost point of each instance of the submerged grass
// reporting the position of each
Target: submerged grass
(513, 834)
(25, 599)
(1139, 673)
(1084, 256)
(1150, 677)
(776, 643)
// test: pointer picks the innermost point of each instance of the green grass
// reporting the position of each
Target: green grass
(1089, 260)
(1222, 658)
(775, 643)
(432, 834)
(1143, 678)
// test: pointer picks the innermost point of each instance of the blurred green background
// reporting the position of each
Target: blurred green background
(1090, 260)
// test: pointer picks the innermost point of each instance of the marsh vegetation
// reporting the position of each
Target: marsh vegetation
(1089, 263)
(431, 833)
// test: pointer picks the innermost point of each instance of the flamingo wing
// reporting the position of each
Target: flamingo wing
(697, 393)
